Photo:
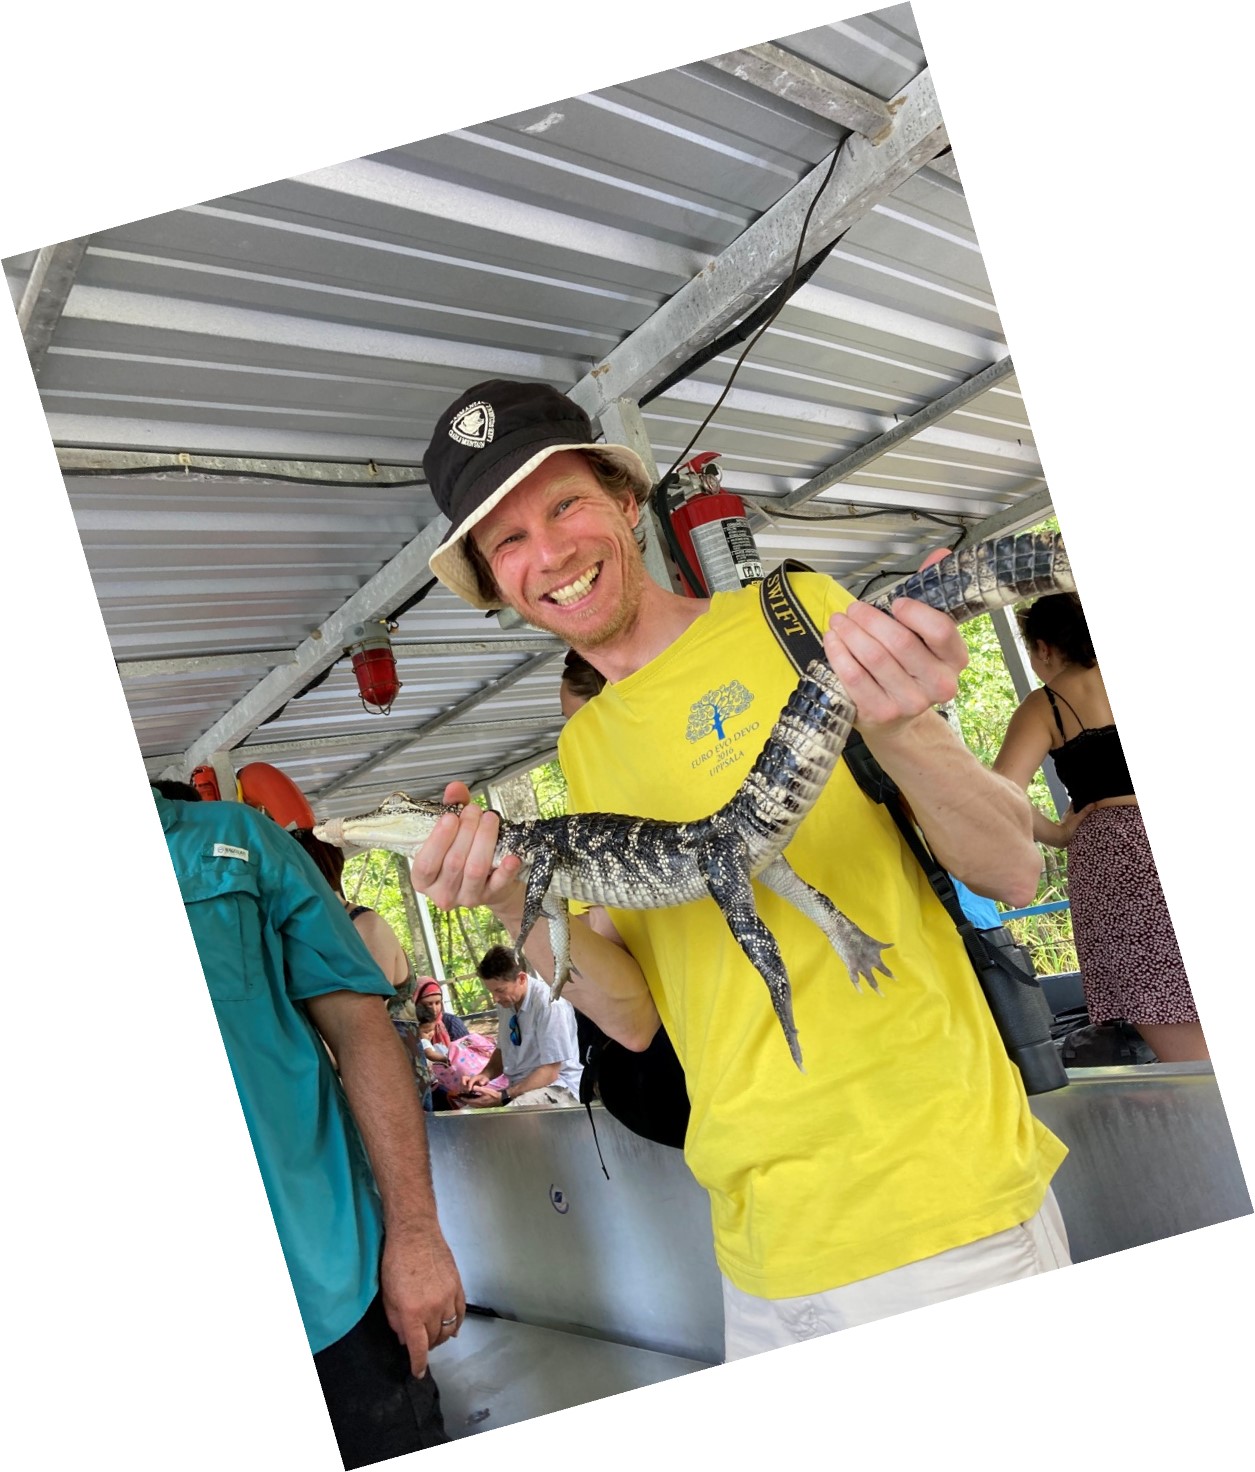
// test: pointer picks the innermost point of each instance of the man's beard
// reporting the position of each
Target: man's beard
(621, 618)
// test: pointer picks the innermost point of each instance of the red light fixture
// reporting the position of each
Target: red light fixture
(375, 666)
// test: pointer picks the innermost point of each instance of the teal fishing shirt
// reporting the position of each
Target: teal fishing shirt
(271, 934)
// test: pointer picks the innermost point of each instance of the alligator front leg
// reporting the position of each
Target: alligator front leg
(860, 954)
(539, 876)
(726, 865)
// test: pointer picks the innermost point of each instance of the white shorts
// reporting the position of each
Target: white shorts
(1038, 1245)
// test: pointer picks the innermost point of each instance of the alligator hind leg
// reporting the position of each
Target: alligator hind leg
(728, 879)
(860, 954)
(560, 943)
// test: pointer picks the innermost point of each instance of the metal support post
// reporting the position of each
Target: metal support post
(418, 936)
(515, 798)
(224, 771)
(429, 940)
(623, 424)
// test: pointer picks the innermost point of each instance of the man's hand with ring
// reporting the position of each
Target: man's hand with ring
(418, 1278)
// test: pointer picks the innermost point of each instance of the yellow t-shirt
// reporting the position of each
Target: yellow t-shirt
(909, 1132)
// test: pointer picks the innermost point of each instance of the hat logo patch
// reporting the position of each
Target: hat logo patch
(473, 426)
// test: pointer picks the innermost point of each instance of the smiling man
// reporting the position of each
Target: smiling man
(904, 1166)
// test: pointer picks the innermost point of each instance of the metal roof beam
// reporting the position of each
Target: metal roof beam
(177, 436)
(132, 670)
(430, 197)
(794, 80)
(475, 698)
(945, 165)
(849, 465)
(824, 418)
(528, 763)
(117, 307)
(44, 297)
(1031, 508)
(392, 585)
(180, 465)
(732, 284)
(297, 746)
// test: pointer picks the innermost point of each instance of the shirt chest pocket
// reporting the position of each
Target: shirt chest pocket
(223, 904)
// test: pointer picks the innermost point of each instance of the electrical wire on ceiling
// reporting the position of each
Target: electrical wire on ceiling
(143, 471)
(851, 513)
(783, 294)
(660, 495)
(764, 312)
(190, 468)
(953, 546)
(875, 578)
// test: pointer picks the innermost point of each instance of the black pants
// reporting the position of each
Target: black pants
(378, 1409)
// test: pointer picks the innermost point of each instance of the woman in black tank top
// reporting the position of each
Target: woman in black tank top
(1131, 966)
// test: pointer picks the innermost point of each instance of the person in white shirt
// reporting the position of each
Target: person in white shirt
(537, 1046)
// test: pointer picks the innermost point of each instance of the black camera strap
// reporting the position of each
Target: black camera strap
(797, 635)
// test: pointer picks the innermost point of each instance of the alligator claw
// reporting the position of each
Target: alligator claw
(859, 953)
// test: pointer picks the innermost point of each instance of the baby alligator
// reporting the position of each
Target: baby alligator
(644, 863)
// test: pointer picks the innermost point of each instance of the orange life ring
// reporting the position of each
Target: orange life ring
(272, 792)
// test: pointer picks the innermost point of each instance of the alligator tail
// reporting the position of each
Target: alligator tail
(991, 575)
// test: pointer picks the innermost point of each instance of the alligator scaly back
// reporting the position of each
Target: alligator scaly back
(641, 863)
(993, 574)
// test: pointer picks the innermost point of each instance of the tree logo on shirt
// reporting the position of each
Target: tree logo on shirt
(713, 710)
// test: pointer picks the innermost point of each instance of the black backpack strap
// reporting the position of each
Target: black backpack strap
(592, 1042)
(791, 624)
(801, 641)
(1013, 1011)
(797, 635)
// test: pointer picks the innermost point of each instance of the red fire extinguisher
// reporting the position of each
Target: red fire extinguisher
(712, 531)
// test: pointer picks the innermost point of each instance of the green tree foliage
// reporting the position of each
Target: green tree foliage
(549, 784)
(462, 936)
(985, 704)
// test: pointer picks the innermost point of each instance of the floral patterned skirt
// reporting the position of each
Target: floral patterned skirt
(1131, 967)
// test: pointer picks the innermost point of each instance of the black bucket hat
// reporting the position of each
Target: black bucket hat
(489, 439)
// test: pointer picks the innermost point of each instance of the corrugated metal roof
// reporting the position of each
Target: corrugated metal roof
(324, 322)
